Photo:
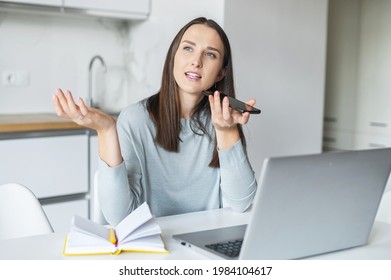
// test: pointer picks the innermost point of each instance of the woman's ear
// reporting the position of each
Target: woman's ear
(221, 75)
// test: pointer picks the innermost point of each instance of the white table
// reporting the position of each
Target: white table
(47, 247)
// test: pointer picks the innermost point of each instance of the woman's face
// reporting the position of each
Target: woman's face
(198, 60)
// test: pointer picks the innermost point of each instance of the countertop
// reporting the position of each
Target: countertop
(34, 122)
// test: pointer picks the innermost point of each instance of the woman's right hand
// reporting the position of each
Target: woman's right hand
(104, 124)
(81, 114)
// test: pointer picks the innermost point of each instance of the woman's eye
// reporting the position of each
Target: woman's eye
(188, 49)
(209, 54)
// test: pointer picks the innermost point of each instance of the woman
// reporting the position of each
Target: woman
(179, 150)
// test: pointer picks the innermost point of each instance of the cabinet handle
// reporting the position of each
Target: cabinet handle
(378, 124)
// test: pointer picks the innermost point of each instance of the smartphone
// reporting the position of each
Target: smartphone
(235, 104)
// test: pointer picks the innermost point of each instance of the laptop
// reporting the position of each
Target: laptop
(305, 205)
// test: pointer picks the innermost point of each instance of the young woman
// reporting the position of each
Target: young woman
(179, 150)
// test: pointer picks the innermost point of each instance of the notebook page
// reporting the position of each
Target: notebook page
(88, 227)
(137, 218)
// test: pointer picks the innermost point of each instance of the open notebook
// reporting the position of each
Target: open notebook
(138, 232)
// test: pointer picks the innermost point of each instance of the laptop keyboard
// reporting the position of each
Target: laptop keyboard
(229, 248)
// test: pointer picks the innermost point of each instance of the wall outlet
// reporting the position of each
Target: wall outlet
(15, 78)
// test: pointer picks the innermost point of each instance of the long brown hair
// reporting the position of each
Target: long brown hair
(164, 107)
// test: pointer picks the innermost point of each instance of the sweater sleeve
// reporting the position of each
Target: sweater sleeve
(119, 188)
(238, 183)
(113, 192)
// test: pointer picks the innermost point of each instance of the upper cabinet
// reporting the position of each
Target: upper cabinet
(57, 3)
(134, 9)
(119, 9)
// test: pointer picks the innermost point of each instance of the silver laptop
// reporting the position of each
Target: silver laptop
(304, 206)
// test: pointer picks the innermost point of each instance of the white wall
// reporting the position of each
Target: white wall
(55, 50)
(279, 50)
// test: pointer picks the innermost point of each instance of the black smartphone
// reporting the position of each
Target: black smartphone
(235, 104)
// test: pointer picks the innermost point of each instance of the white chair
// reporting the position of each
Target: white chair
(97, 215)
(21, 214)
(384, 212)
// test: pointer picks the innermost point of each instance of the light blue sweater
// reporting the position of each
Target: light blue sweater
(171, 183)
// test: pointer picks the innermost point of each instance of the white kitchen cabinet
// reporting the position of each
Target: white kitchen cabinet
(60, 214)
(358, 65)
(114, 8)
(54, 166)
(57, 3)
(119, 9)
(49, 166)
(374, 83)
(129, 6)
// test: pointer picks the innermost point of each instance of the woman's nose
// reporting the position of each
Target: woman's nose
(197, 61)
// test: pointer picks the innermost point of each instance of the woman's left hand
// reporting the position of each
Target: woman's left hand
(223, 116)
(225, 120)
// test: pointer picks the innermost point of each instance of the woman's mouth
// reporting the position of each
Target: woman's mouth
(193, 76)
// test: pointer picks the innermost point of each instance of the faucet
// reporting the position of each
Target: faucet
(104, 69)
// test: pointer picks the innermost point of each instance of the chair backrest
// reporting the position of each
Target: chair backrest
(384, 212)
(21, 214)
(97, 215)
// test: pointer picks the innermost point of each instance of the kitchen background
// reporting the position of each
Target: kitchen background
(318, 70)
